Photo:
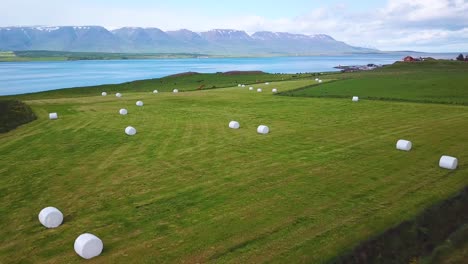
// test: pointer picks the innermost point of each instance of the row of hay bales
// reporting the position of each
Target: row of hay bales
(86, 245)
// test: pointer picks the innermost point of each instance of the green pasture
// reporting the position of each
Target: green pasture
(188, 189)
(416, 82)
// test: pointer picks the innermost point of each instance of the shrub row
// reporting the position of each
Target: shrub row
(14, 113)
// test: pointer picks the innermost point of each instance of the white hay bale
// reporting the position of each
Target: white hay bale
(123, 111)
(239, 85)
(104, 94)
(130, 131)
(234, 125)
(155, 91)
(355, 99)
(404, 145)
(261, 129)
(259, 90)
(175, 91)
(250, 88)
(53, 116)
(316, 79)
(274, 90)
(320, 81)
(243, 85)
(448, 162)
(88, 246)
(139, 103)
(50, 217)
(267, 83)
(118, 94)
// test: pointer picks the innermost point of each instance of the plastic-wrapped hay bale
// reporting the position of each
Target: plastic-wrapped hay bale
(104, 94)
(448, 162)
(53, 116)
(250, 88)
(123, 111)
(243, 85)
(355, 99)
(130, 131)
(316, 79)
(274, 90)
(267, 83)
(155, 91)
(262, 129)
(139, 103)
(50, 217)
(320, 81)
(259, 90)
(175, 91)
(118, 94)
(404, 145)
(88, 246)
(234, 125)
(239, 85)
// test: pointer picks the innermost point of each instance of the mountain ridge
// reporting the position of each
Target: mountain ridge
(152, 39)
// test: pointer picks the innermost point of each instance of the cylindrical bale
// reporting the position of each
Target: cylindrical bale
(175, 91)
(123, 111)
(118, 94)
(139, 103)
(259, 90)
(355, 99)
(243, 85)
(274, 90)
(239, 85)
(404, 145)
(130, 131)
(53, 116)
(250, 88)
(88, 246)
(104, 94)
(316, 79)
(448, 162)
(50, 217)
(320, 81)
(262, 129)
(234, 125)
(155, 91)
(267, 83)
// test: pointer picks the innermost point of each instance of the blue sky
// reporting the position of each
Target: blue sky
(425, 25)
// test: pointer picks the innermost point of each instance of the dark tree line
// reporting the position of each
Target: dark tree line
(461, 58)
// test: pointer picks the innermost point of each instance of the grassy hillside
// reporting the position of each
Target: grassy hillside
(186, 188)
(432, 81)
(183, 82)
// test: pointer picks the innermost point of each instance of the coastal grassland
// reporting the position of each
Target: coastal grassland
(184, 82)
(186, 188)
(43, 55)
(430, 81)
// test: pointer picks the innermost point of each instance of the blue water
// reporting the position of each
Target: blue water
(27, 77)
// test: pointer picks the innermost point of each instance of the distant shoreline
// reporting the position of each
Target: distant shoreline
(29, 56)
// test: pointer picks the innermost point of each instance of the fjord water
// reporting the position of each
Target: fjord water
(28, 77)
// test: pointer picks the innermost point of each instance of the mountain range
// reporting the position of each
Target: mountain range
(154, 40)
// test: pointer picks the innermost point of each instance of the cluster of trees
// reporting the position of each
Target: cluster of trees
(461, 58)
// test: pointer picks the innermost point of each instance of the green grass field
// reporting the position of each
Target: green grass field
(416, 82)
(186, 188)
